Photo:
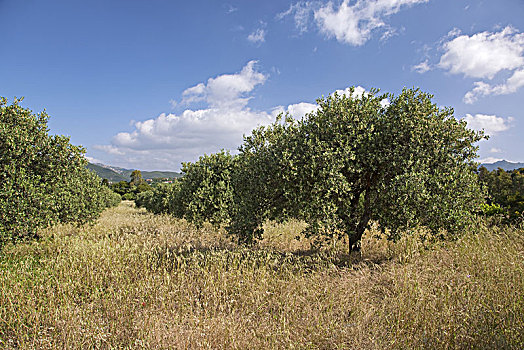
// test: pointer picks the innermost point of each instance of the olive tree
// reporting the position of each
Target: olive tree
(400, 160)
(205, 191)
(43, 178)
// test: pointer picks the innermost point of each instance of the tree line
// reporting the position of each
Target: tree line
(43, 178)
(504, 193)
(398, 160)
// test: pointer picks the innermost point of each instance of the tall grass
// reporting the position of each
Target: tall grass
(134, 280)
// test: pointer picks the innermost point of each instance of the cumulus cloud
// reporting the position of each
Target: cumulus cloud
(227, 90)
(349, 23)
(484, 55)
(168, 140)
(297, 110)
(491, 124)
(481, 89)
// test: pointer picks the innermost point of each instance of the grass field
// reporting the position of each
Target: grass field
(134, 280)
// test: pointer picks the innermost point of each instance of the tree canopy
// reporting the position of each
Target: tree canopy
(43, 178)
(399, 160)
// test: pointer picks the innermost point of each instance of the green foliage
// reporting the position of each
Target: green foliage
(121, 187)
(505, 190)
(136, 178)
(130, 190)
(263, 179)
(43, 178)
(205, 192)
(111, 199)
(129, 197)
(158, 199)
(356, 159)
(491, 209)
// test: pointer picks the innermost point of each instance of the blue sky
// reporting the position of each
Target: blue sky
(150, 83)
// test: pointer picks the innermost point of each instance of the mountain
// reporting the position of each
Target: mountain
(116, 174)
(107, 173)
(504, 164)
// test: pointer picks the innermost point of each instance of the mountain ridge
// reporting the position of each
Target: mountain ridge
(504, 164)
(117, 174)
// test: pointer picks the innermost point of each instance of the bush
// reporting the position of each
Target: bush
(205, 192)
(129, 197)
(157, 200)
(505, 193)
(43, 178)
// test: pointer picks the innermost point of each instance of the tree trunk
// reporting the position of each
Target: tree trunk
(357, 233)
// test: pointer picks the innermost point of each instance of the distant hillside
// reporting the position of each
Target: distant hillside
(157, 174)
(107, 173)
(116, 174)
(504, 164)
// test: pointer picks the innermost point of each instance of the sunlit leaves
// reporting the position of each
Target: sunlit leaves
(43, 179)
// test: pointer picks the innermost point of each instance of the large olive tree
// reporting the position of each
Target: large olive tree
(400, 160)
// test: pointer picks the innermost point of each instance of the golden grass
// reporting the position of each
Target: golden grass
(134, 280)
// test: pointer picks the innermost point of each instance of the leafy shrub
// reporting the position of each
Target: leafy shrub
(112, 199)
(129, 197)
(43, 178)
(205, 192)
(156, 200)
(505, 193)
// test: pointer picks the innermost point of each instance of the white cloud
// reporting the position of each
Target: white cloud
(185, 136)
(484, 55)
(357, 92)
(297, 110)
(258, 36)
(109, 149)
(491, 124)
(422, 67)
(168, 140)
(92, 160)
(495, 150)
(354, 24)
(351, 24)
(481, 89)
(227, 90)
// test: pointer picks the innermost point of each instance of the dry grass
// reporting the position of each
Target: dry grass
(134, 280)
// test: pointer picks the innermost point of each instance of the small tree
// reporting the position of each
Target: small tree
(205, 192)
(136, 178)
